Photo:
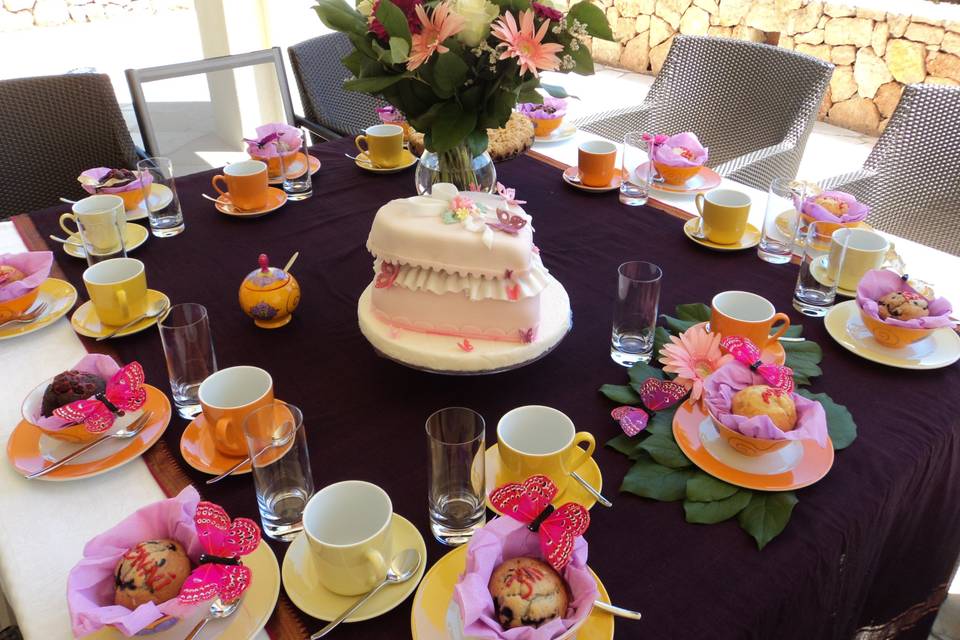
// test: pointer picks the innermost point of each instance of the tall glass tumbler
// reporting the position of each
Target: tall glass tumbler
(455, 446)
(101, 227)
(188, 349)
(816, 290)
(637, 170)
(781, 220)
(160, 198)
(635, 312)
(277, 443)
(297, 181)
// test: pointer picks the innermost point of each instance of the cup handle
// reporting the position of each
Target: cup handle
(782, 329)
(69, 216)
(214, 180)
(582, 437)
(698, 202)
(221, 429)
(378, 566)
(121, 297)
(357, 142)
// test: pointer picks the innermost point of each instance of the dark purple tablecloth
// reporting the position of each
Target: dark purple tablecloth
(872, 544)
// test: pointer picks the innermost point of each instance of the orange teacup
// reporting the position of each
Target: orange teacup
(246, 182)
(227, 397)
(741, 313)
(596, 161)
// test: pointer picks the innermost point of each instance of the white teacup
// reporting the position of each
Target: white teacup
(349, 533)
(100, 220)
(866, 250)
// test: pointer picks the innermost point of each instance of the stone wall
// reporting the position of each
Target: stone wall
(875, 52)
(16, 15)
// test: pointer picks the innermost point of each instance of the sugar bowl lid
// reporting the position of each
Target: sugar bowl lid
(265, 278)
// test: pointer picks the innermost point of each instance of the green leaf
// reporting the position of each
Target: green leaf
(687, 316)
(803, 358)
(794, 331)
(477, 142)
(703, 487)
(556, 90)
(393, 20)
(626, 445)
(530, 95)
(767, 515)
(620, 393)
(516, 6)
(371, 85)
(592, 16)
(399, 50)
(449, 73)
(652, 480)
(451, 127)
(499, 107)
(583, 61)
(661, 423)
(840, 424)
(717, 510)
(664, 450)
(339, 16)
(641, 371)
(661, 337)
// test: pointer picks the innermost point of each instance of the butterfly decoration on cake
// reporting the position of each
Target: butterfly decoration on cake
(124, 392)
(220, 573)
(746, 352)
(557, 527)
(655, 395)
(508, 194)
(508, 222)
(387, 276)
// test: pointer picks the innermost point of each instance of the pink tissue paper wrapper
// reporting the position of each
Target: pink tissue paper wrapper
(390, 115)
(857, 210)
(535, 111)
(289, 135)
(665, 154)
(35, 264)
(503, 539)
(90, 585)
(95, 363)
(877, 283)
(145, 179)
(725, 382)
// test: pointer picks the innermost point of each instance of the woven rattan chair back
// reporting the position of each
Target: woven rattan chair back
(54, 127)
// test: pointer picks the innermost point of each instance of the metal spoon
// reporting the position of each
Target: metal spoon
(404, 565)
(276, 442)
(368, 162)
(159, 308)
(586, 485)
(217, 610)
(68, 201)
(615, 610)
(65, 241)
(223, 203)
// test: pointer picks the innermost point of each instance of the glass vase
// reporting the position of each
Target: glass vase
(457, 167)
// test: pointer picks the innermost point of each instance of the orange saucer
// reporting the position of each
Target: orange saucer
(276, 198)
(797, 465)
(200, 452)
(30, 450)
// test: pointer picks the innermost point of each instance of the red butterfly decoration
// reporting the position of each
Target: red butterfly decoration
(508, 222)
(746, 352)
(655, 395)
(527, 335)
(220, 573)
(388, 274)
(124, 393)
(529, 503)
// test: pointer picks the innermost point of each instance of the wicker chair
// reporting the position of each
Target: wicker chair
(910, 178)
(54, 127)
(751, 104)
(320, 75)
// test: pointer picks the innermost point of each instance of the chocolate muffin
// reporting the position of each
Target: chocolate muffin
(68, 387)
(527, 592)
(153, 571)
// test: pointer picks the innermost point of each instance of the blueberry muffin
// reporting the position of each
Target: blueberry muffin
(527, 592)
(902, 305)
(152, 571)
(68, 387)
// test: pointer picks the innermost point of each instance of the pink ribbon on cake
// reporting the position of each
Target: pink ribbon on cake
(669, 153)
(98, 364)
(877, 283)
(34, 264)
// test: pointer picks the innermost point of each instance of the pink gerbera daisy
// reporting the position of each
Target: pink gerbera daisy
(693, 356)
(436, 29)
(526, 45)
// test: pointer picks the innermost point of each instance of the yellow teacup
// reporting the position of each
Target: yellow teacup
(866, 250)
(724, 213)
(100, 223)
(384, 145)
(117, 289)
(741, 313)
(227, 397)
(348, 527)
(538, 440)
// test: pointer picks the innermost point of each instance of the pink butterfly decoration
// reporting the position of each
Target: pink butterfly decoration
(655, 395)
(465, 345)
(513, 292)
(527, 335)
(746, 352)
(508, 222)
(387, 276)
(124, 393)
(220, 573)
(529, 503)
(509, 195)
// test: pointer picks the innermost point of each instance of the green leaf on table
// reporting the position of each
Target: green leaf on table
(593, 17)
(641, 371)
(399, 50)
(651, 480)
(803, 358)
(620, 393)
(840, 424)
(393, 20)
(449, 73)
(660, 337)
(373, 84)
(687, 316)
(451, 127)
(661, 423)
(767, 515)
(339, 16)
(717, 510)
(794, 331)
(703, 487)
(664, 450)
(626, 445)
(555, 90)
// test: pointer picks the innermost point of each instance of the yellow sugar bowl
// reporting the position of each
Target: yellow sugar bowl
(269, 295)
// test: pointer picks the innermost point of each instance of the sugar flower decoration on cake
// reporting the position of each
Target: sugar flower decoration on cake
(437, 27)
(834, 206)
(461, 207)
(693, 356)
(525, 44)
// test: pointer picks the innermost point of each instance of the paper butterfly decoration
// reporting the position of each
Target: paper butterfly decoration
(124, 393)
(220, 573)
(509, 195)
(387, 276)
(557, 528)
(508, 222)
(746, 352)
(654, 395)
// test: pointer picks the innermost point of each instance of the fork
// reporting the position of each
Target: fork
(27, 316)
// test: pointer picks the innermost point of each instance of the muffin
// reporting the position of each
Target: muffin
(902, 305)
(527, 592)
(836, 206)
(761, 400)
(68, 387)
(9, 273)
(152, 571)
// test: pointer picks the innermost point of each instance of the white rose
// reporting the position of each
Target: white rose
(477, 14)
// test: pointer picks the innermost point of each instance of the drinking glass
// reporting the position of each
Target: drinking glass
(102, 233)
(635, 312)
(297, 182)
(781, 220)
(188, 349)
(816, 290)
(277, 443)
(160, 198)
(637, 170)
(455, 494)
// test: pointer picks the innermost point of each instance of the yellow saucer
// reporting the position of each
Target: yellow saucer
(428, 616)
(301, 581)
(589, 471)
(750, 238)
(86, 323)
(408, 160)
(136, 235)
(59, 295)
(818, 269)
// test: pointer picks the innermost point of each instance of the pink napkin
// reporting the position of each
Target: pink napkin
(856, 212)
(877, 283)
(90, 584)
(668, 152)
(551, 109)
(145, 179)
(390, 115)
(502, 539)
(267, 134)
(35, 264)
(725, 382)
(95, 363)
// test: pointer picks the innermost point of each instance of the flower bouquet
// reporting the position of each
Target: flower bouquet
(458, 67)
